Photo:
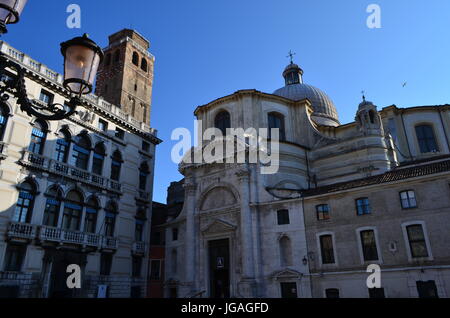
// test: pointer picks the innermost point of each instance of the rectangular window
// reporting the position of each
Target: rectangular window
(90, 223)
(71, 217)
(326, 248)
(115, 170)
(80, 157)
(105, 264)
(174, 234)
(110, 221)
(97, 164)
(332, 293)
(139, 230)
(145, 146)
(51, 212)
(427, 289)
(369, 245)
(323, 212)
(363, 206)
(426, 139)
(120, 133)
(136, 266)
(102, 125)
(417, 242)
(15, 255)
(283, 217)
(46, 97)
(155, 270)
(408, 199)
(376, 293)
(37, 141)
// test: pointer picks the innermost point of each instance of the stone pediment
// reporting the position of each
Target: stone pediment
(286, 274)
(218, 226)
(219, 197)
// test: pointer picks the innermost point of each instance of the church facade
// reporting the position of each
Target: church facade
(79, 191)
(371, 192)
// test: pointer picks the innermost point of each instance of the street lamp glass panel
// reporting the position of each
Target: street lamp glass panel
(81, 64)
(10, 10)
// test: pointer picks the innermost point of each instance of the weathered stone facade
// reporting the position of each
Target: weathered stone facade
(73, 192)
(277, 246)
(125, 78)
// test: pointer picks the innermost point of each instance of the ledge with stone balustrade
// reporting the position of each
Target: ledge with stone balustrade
(42, 234)
(36, 161)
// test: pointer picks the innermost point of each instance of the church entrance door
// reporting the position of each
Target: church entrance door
(219, 268)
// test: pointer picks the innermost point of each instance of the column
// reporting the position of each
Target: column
(190, 249)
(247, 285)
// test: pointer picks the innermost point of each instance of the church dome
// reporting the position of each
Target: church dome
(324, 110)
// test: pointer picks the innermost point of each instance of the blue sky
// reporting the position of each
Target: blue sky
(206, 49)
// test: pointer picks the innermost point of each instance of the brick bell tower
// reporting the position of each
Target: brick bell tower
(125, 78)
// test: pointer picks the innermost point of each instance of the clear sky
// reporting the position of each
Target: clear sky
(206, 49)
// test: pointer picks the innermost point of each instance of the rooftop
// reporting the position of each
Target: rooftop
(401, 173)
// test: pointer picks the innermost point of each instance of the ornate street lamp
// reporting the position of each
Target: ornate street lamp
(10, 11)
(82, 56)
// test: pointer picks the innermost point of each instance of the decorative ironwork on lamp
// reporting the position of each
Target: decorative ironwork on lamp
(82, 56)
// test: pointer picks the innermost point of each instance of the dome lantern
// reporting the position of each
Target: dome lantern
(324, 110)
(293, 74)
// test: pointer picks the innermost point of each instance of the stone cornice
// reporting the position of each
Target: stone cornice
(235, 96)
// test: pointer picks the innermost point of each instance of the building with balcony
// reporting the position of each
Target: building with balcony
(76, 191)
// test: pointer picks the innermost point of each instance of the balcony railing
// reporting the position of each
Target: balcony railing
(63, 169)
(22, 231)
(58, 235)
(110, 243)
(139, 248)
(52, 234)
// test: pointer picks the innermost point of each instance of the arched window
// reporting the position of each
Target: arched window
(90, 221)
(135, 58)
(99, 158)
(81, 152)
(116, 165)
(38, 136)
(110, 219)
(285, 251)
(426, 139)
(108, 59)
(144, 171)
(144, 65)
(223, 121)
(52, 206)
(117, 56)
(4, 114)
(276, 120)
(62, 146)
(372, 117)
(140, 222)
(25, 203)
(73, 209)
